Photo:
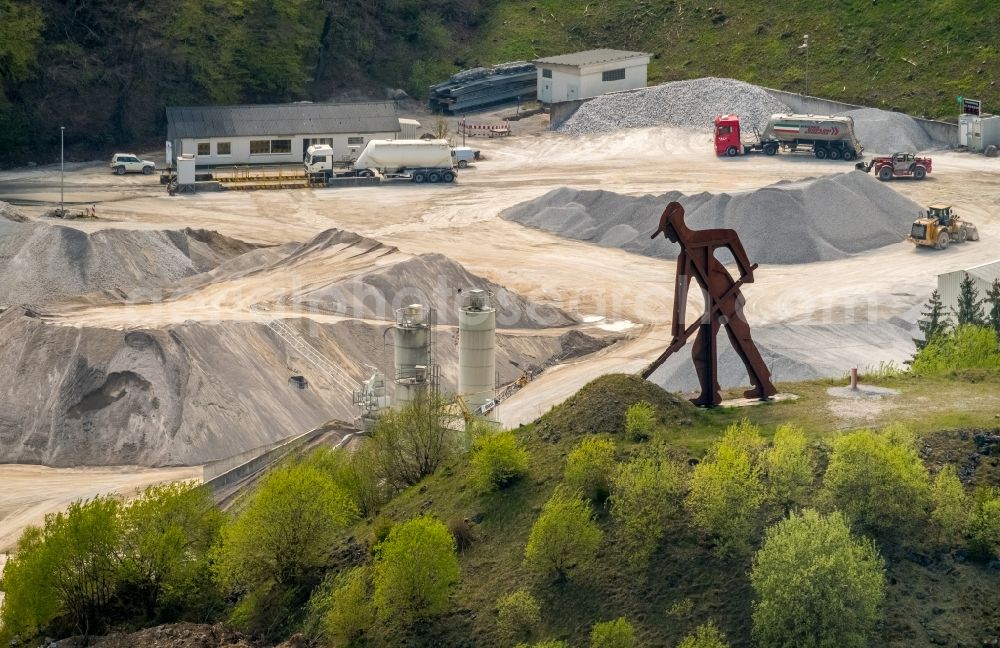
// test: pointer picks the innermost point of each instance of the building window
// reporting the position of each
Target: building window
(204, 148)
(223, 148)
(322, 140)
(355, 141)
(547, 73)
(613, 75)
(276, 147)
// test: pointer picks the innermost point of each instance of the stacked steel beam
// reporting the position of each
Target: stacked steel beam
(478, 88)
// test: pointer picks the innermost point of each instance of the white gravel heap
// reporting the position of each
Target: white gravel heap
(816, 219)
(690, 104)
(886, 132)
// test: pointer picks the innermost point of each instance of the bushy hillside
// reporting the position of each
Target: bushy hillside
(106, 70)
(887, 53)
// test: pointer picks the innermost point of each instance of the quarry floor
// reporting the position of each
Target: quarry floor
(632, 293)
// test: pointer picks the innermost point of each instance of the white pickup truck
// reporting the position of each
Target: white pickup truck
(122, 163)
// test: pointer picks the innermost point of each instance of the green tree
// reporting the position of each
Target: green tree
(613, 634)
(705, 636)
(278, 544)
(727, 491)
(411, 443)
(416, 568)
(497, 460)
(817, 586)
(951, 507)
(645, 493)
(933, 321)
(167, 534)
(879, 482)
(350, 614)
(67, 569)
(563, 537)
(640, 419)
(588, 467)
(970, 306)
(790, 468)
(356, 473)
(984, 524)
(518, 615)
(993, 304)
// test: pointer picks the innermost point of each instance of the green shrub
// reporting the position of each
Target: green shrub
(277, 546)
(951, 507)
(790, 467)
(65, 569)
(705, 636)
(497, 460)
(967, 347)
(878, 481)
(356, 473)
(563, 537)
(640, 419)
(548, 643)
(727, 491)
(416, 569)
(350, 613)
(645, 492)
(817, 586)
(518, 615)
(984, 525)
(588, 467)
(612, 634)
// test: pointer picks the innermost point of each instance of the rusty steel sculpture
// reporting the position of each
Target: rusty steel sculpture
(723, 306)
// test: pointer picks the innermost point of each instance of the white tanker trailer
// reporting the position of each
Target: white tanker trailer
(415, 160)
(825, 136)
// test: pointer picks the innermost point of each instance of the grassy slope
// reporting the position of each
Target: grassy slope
(915, 56)
(943, 599)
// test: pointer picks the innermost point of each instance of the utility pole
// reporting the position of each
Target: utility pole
(805, 46)
(62, 171)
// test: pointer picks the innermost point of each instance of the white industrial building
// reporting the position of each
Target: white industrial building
(982, 276)
(979, 132)
(589, 74)
(280, 133)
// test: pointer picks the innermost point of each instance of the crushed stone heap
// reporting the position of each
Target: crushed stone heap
(690, 104)
(815, 219)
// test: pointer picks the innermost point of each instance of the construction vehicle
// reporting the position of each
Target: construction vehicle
(897, 165)
(415, 160)
(826, 136)
(940, 227)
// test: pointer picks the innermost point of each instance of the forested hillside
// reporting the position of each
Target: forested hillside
(106, 69)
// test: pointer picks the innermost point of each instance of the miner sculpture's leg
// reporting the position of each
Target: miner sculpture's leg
(739, 334)
(704, 353)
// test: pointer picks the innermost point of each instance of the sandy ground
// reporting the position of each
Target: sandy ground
(461, 221)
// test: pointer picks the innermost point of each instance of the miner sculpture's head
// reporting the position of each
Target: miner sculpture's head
(671, 222)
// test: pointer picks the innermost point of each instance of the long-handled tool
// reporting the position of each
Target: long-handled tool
(678, 343)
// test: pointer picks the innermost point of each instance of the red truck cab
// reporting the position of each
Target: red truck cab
(727, 135)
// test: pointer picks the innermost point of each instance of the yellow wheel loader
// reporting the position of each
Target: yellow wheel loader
(941, 227)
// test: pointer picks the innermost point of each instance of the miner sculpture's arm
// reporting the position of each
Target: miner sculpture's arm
(735, 246)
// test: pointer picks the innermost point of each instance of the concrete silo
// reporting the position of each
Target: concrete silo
(477, 368)
(412, 353)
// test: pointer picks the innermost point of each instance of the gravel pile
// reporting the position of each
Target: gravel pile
(8, 212)
(694, 103)
(42, 263)
(816, 219)
(883, 131)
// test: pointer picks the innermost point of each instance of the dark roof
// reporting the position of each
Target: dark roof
(282, 119)
(590, 57)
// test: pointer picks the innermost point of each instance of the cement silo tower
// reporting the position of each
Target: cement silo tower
(412, 353)
(477, 367)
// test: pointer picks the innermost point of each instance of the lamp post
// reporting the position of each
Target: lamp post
(805, 46)
(62, 170)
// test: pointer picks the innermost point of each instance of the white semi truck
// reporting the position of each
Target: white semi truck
(415, 160)
(825, 136)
